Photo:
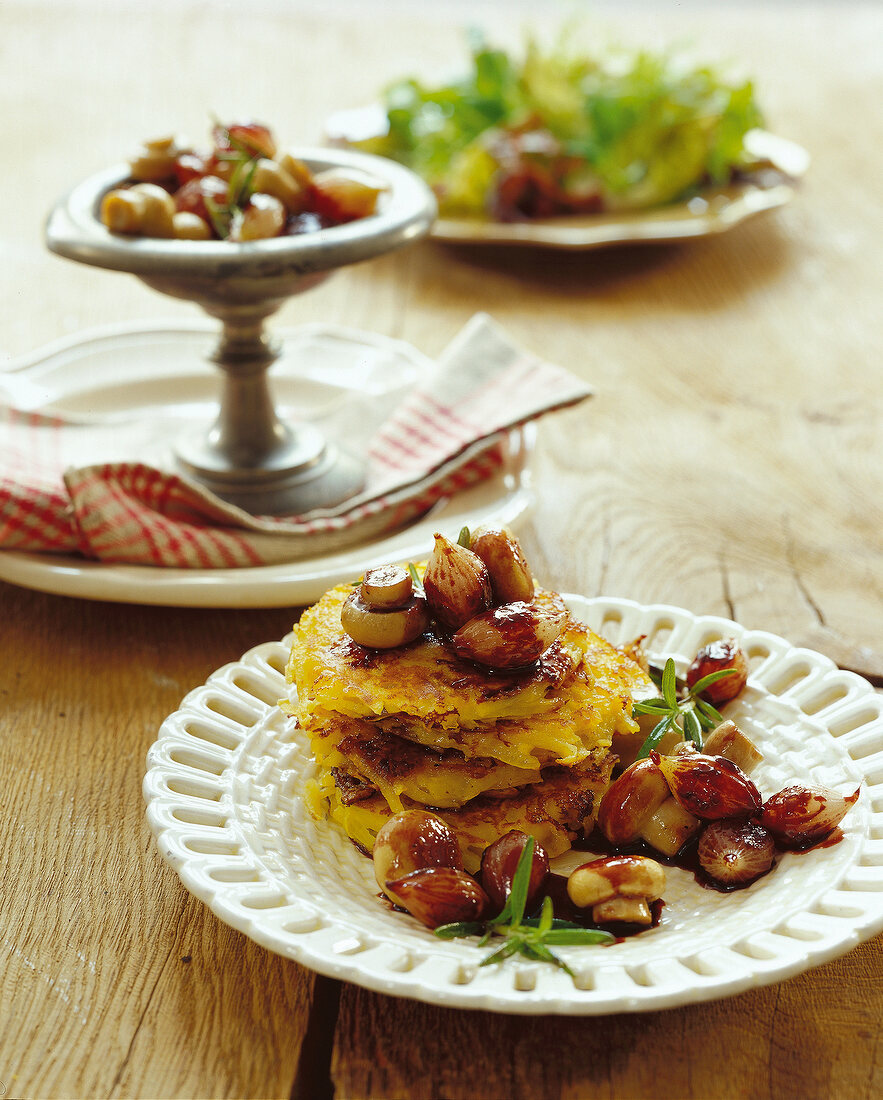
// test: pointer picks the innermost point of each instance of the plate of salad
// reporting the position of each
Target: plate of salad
(565, 148)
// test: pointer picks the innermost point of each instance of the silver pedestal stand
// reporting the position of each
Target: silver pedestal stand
(249, 456)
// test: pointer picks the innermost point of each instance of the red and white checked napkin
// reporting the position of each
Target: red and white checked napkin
(444, 435)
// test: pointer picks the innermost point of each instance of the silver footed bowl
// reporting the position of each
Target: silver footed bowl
(249, 456)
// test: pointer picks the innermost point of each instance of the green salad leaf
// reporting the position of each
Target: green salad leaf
(562, 131)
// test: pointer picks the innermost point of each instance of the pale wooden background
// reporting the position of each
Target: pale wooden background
(729, 464)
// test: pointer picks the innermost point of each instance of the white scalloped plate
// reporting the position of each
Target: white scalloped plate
(223, 790)
(168, 378)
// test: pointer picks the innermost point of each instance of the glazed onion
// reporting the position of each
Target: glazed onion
(509, 572)
(709, 787)
(456, 583)
(801, 816)
(509, 636)
(412, 841)
(630, 802)
(499, 861)
(715, 657)
(439, 895)
(735, 853)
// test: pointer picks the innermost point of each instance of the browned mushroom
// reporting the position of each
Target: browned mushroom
(617, 888)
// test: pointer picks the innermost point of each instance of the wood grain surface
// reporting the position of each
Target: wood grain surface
(730, 464)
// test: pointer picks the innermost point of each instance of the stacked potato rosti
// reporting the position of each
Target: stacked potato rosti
(487, 749)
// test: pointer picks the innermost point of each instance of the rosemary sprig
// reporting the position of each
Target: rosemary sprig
(678, 706)
(244, 162)
(221, 217)
(528, 936)
(239, 188)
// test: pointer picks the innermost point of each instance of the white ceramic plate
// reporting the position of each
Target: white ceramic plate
(168, 380)
(714, 210)
(223, 791)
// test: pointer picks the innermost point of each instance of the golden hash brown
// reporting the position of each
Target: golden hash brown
(487, 750)
(399, 768)
(425, 679)
(568, 704)
(553, 811)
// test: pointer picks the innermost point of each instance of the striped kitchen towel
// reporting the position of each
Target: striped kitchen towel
(69, 485)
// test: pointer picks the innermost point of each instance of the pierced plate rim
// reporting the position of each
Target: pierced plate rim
(264, 891)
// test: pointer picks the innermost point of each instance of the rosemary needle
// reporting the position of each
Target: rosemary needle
(527, 936)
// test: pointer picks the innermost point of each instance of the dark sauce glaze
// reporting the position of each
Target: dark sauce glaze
(391, 905)
(834, 837)
(687, 859)
(355, 655)
(597, 846)
(552, 667)
(555, 887)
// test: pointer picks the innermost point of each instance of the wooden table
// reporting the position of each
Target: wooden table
(729, 464)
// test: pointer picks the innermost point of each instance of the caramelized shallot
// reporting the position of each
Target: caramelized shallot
(715, 657)
(499, 861)
(439, 895)
(412, 841)
(253, 137)
(509, 636)
(199, 196)
(456, 583)
(261, 219)
(630, 801)
(799, 817)
(510, 574)
(709, 787)
(735, 853)
(345, 194)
